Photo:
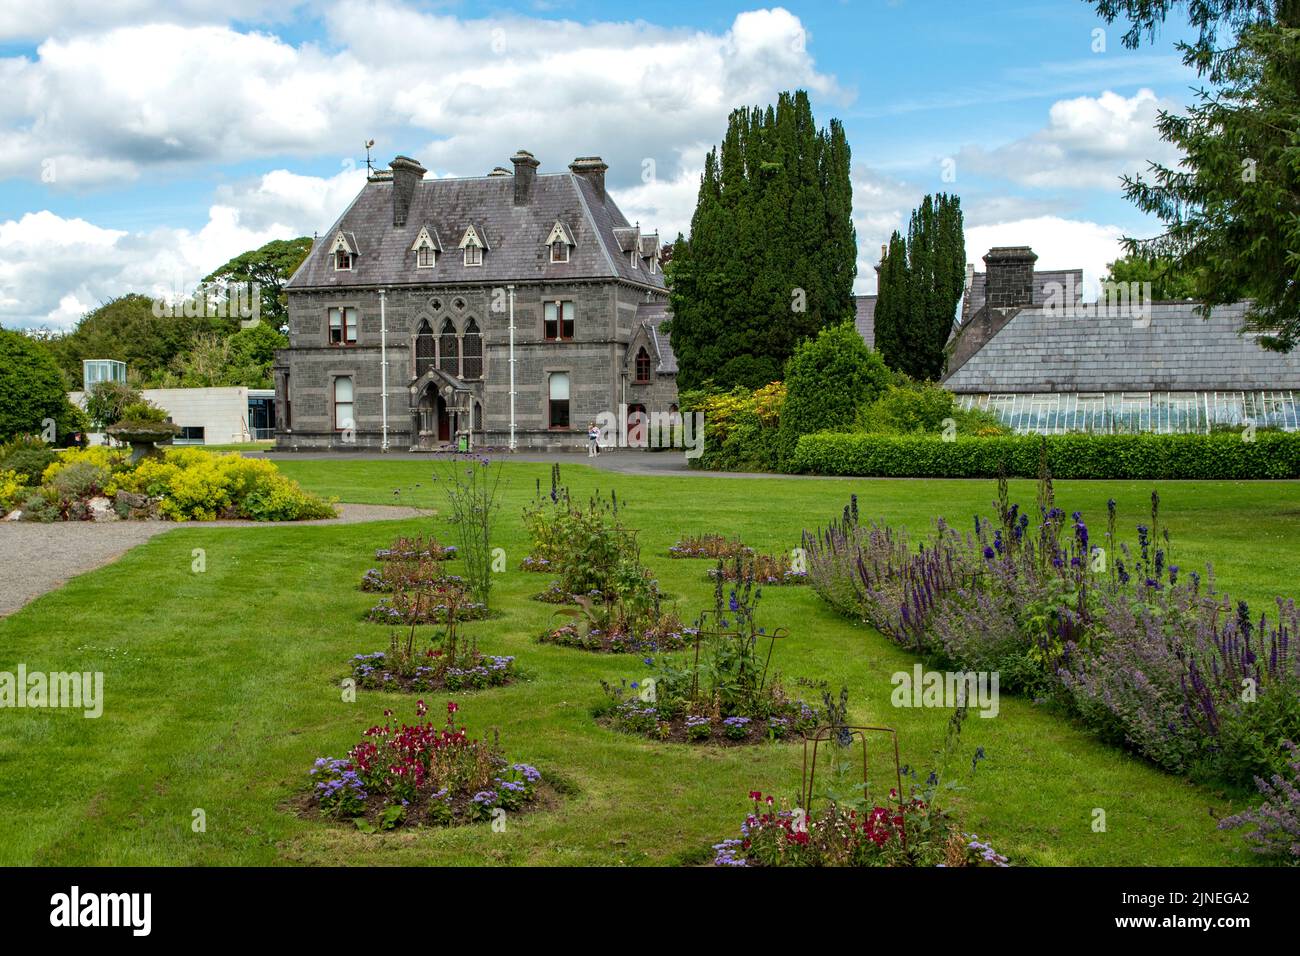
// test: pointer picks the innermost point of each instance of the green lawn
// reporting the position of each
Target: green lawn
(222, 687)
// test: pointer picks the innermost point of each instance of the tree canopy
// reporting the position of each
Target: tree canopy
(921, 282)
(772, 253)
(270, 267)
(1231, 210)
(31, 390)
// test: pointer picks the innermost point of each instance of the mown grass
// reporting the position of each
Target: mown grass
(222, 687)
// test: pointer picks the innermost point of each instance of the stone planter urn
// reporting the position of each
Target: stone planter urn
(143, 437)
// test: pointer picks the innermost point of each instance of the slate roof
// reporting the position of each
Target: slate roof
(653, 315)
(515, 235)
(974, 298)
(1084, 351)
(865, 317)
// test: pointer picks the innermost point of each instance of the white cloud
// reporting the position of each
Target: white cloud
(1088, 143)
(1059, 244)
(460, 95)
(54, 269)
(38, 21)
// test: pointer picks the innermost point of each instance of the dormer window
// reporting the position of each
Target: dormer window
(635, 259)
(642, 367)
(560, 240)
(473, 244)
(343, 251)
(426, 248)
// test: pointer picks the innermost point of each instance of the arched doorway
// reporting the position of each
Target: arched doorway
(434, 419)
(638, 426)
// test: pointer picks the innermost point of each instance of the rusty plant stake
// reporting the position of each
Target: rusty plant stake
(860, 732)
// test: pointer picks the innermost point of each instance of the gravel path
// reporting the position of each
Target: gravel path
(36, 558)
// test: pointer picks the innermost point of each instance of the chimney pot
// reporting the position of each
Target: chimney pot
(592, 169)
(525, 175)
(407, 173)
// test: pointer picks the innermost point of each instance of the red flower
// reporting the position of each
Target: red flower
(452, 707)
(755, 795)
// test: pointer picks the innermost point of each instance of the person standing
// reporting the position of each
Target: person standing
(593, 441)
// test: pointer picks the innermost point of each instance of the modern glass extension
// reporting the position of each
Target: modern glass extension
(1054, 413)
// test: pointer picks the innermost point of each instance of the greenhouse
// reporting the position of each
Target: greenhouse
(1054, 413)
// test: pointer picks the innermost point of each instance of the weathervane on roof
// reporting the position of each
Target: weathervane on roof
(370, 167)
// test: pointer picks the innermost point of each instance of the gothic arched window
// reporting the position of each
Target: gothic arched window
(425, 348)
(473, 349)
(449, 349)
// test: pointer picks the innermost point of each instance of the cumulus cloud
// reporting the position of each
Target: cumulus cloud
(37, 21)
(460, 94)
(1088, 143)
(54, 269)
(1059, 243)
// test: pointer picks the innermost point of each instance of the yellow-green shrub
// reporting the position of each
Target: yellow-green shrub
(10, 485)
(112, 460)
(196, 485)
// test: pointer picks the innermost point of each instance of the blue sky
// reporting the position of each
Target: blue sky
(145, 146)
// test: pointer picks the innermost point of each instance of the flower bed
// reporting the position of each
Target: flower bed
(536, 565)
(724, 692)
(1150, 657)
(709, 546)
(628, 711)
(668, 636)
(764, 569)
(402, 775)
(911, 834)
(416, 549)
(413, 575)
(442, 604)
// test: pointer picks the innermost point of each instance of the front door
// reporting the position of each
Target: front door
(444, 421)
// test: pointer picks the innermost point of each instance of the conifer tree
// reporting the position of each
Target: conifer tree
(772, 253)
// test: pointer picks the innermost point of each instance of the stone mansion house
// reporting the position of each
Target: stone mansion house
(507, 310)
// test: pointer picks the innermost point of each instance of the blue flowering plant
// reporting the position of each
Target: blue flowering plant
(448, 662)
(724, 690)
(422, 773)
(913, 833)
(417, 549)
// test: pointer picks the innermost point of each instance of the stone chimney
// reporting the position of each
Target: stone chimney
(592, 169)
(1010, 280)
(525, 175)
(498, 171)
(406, 174)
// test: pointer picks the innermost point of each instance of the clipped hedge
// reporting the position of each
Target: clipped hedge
(1271, 455)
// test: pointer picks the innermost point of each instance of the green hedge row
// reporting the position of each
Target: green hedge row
(1166, 457)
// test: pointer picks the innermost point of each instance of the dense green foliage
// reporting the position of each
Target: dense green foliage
(1231, 207)
(1167, 281)
(772, 253)
(270, 267)
(1270, 455)
(909, 407)
(31, 391)
(921, 282)
(827, 379)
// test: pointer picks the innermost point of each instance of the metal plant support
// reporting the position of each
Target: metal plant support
(859, 732)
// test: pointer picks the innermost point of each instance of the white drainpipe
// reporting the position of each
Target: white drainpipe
(512, 366)
(383, 365)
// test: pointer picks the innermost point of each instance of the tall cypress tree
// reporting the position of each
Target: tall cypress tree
(920, 288)
(772, 253)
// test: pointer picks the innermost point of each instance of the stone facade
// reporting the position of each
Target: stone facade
(438, 320)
